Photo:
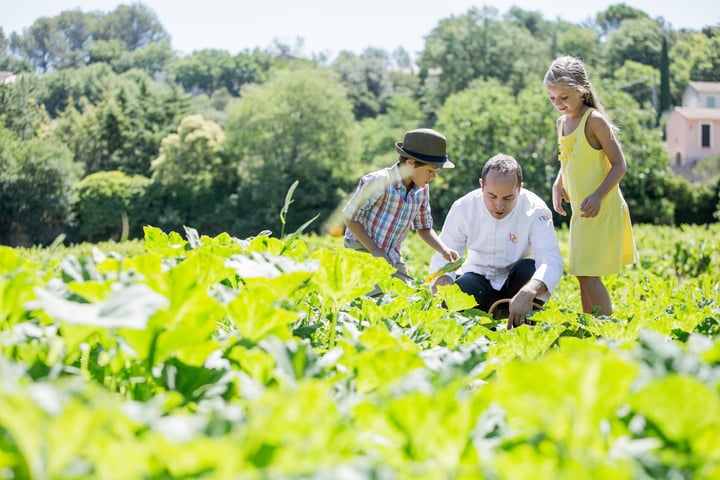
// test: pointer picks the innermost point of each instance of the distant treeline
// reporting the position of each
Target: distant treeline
(104, 128)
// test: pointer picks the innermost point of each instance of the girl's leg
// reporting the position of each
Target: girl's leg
(594, 294)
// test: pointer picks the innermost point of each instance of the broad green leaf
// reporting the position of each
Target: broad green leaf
(255, 315)
(289, 429)
(9, 260)
(346, 274)
(264, 265)
(455, 299)
(423, 427)
(684, 410)
(549, 460)
(566, 395)
(15, 292)
(91, 291)
(126, 307)
(525, 342)
(169, 245)
(258, 363)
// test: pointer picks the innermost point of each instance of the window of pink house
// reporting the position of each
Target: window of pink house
(705, 135)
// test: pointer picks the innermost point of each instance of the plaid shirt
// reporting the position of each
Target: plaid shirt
(387, 210)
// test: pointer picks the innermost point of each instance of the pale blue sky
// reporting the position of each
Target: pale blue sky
(330, 26)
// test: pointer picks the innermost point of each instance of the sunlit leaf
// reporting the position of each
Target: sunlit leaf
(127, 307)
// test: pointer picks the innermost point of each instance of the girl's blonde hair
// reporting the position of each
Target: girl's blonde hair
(569, 71)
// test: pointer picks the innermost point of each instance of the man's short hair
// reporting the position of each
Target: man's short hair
(503, 163)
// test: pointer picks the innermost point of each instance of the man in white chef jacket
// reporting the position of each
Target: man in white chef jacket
(512, 248)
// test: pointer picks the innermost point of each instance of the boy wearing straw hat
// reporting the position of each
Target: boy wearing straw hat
(388, 202)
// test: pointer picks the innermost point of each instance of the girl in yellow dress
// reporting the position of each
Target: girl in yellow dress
(591, 166)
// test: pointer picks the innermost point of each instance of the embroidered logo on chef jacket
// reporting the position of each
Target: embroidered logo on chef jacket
(513, 238)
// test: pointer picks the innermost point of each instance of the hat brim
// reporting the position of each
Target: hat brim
(440, 162)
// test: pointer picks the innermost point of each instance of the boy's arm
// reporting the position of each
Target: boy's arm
(429, 236)
(362, 236)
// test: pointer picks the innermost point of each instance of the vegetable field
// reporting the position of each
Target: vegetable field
(186, 356)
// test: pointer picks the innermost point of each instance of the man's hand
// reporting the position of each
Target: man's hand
(520, 305)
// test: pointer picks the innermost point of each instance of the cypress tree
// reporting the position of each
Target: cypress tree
(664, 105)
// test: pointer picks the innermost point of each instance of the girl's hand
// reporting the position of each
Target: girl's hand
(590, 207)
(558, 196)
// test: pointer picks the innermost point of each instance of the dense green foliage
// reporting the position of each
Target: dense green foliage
(295, 127)
(108, 88)
(36, 179)
(111, 205)
(189, 356)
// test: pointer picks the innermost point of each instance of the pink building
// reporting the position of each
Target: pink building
(692, 131)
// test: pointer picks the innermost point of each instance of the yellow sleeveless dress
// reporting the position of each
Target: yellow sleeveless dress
(599, 245)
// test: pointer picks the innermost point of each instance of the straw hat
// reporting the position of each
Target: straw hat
(425, 145)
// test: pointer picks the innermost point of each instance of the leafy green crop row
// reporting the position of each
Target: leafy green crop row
(199, 357)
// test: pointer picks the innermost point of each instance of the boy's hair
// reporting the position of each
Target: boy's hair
(569, 71)
(503, 163)
(418, 163)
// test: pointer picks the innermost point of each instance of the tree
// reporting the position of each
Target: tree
(636, 39)
(123, 131)
(6, 60)
(75, 27)
(88, 84)
(151, 58)
(477, 45)
(612, 18)
(693, 56)
(206, 71)
(294, 127)
(366, 78)
(190, 158)
(36, 179)
(638, 80)
(110, 205)
(532, 21)
(136, 25)
(130, 36)
(193, 180)
(401, 59)
(709, 69)
(209, 70)
(42, 44)
(457, 51)
(19, 110)
(478, 122)
(578, 41)
(664, 105)
(378, 135)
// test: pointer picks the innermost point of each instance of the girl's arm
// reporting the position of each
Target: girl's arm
(600, 135)
(559, 195)
(558, 190)
(429, 236)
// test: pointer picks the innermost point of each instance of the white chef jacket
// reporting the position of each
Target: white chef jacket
(493, 245)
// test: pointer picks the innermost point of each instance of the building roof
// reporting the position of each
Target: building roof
(6, 76)
(705, 87)
(698, 113)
